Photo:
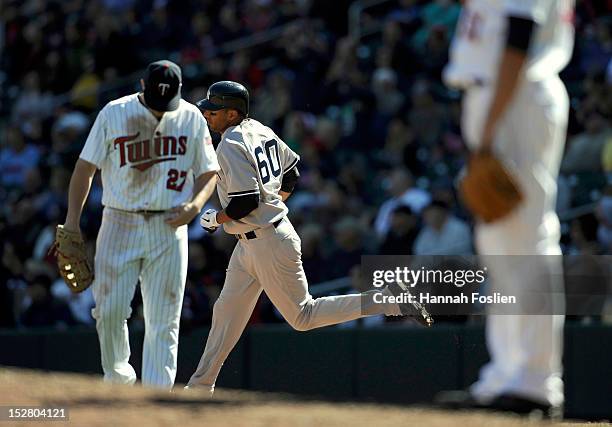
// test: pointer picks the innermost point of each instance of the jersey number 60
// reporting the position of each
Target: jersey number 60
(273, 156)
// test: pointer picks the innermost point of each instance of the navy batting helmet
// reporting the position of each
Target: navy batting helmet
(226, 94)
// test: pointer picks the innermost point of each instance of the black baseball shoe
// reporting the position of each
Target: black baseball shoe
(411, 307)
(511, 403)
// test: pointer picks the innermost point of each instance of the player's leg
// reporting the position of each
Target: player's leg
(163, 276)
(282, 277)
(117, 266)
(231, 312)
(526, 349)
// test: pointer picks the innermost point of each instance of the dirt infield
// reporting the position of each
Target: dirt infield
(91, 402)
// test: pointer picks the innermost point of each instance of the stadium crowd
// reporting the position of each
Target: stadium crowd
(377, 131)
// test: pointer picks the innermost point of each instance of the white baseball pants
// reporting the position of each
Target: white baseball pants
(525, 350)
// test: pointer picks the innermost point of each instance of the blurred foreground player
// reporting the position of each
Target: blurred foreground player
(506, 56)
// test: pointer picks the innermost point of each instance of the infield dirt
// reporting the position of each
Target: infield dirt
(91, 402)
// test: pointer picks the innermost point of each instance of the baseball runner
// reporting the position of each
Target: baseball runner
(258, 173)
(506, 55)
(158, 169)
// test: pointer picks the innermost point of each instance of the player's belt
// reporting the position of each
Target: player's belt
(251, 234)
(140, 211)
(149, 212)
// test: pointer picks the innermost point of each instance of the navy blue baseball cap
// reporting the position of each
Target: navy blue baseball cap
(163, 81)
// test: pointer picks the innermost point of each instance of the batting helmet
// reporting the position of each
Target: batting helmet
(226, 94)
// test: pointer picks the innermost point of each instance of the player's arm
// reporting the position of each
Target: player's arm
(205, 169)
(203, 187)
(520, 32)
(238, 208)
(289, 160)
(91, 158)
(289, 180)
(242, 184)
(80, 184)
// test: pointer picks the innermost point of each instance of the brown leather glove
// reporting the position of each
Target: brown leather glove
(72, 261)
(488, 189)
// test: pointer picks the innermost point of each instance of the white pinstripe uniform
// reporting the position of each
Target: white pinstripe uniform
(253, 161)
(147, 164)
(525, 350)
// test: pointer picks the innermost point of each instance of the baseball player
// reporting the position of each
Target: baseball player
(258, 173)
(507, 55)
(158, 169)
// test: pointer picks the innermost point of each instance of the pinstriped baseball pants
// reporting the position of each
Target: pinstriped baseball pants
(273, 263)
(130, 247)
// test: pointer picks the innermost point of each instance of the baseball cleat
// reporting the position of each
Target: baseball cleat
(520, 405)
(412, 308)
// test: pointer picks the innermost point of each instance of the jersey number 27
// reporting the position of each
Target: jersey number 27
(268, 164)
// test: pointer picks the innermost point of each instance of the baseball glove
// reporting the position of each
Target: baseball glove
(72, 260)
(488, 189)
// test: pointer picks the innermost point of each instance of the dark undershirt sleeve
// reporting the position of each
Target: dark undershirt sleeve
(290, 179)
(520, 32)
(241, 206)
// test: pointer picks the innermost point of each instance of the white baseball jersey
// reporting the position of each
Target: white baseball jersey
(480, 39)
(148, 163)
(253, 160)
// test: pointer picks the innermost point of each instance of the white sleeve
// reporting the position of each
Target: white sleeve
(205, 156)
(531, 9)
(95, 149)
(288, 157)
(240, 172)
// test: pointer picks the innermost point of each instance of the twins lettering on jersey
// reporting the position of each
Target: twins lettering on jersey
(143, 154)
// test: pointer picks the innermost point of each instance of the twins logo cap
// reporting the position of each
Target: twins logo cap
(163, 86)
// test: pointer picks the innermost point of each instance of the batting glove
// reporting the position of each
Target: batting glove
(208, 220)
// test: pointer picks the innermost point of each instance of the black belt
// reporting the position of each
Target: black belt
(141, 211)
(249, 235)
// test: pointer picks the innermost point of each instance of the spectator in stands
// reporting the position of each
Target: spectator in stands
(315, 264)
(17, 158)
(443, 233)
(402, 233)
(348, 247)
(427, 117)
(389, 99)
(273, 103)
(606, 157)
(84, 92)
(604, 215)
(595, 46)
(584, 152)
(80, 304)
(43, 309)
(400, 186)
(438, 15)
(32, 103)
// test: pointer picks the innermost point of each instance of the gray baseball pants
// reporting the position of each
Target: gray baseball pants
(272, 263)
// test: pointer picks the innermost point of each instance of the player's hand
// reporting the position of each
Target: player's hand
(208, 220)
(182, 214)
